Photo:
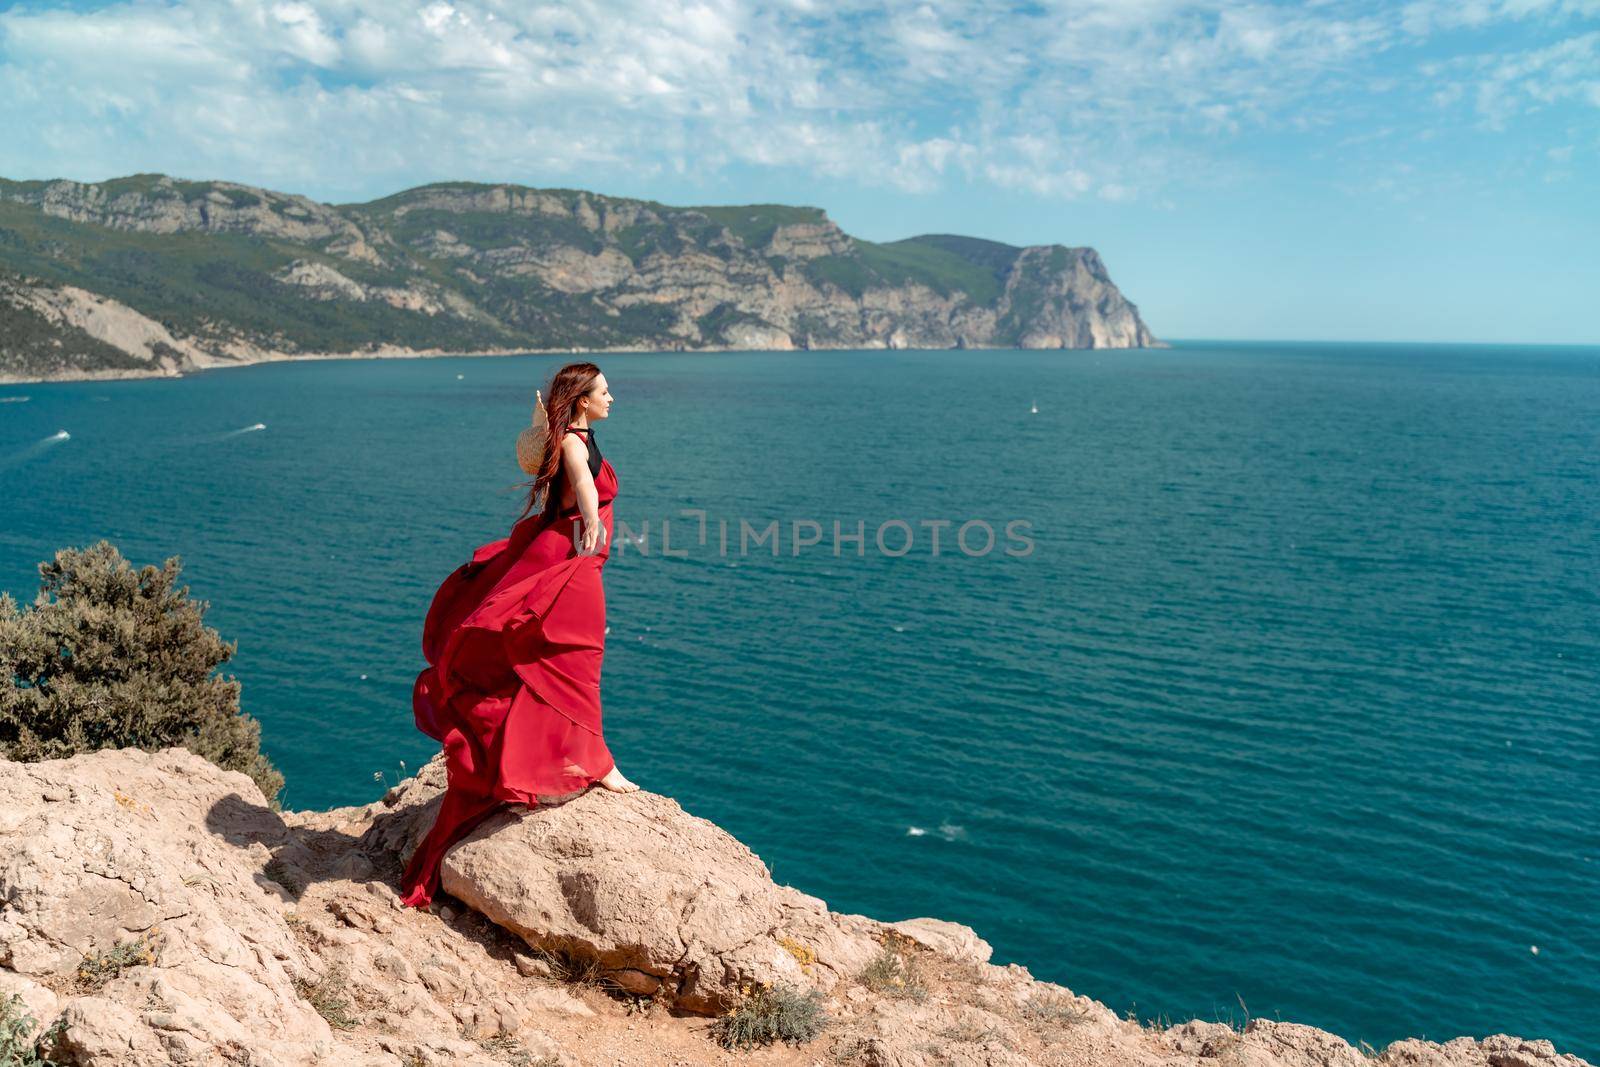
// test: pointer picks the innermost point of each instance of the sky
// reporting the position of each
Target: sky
(1326, 170)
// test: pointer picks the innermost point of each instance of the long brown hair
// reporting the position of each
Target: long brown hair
(561, 407)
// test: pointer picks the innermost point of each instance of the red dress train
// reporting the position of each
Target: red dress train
(514, 641)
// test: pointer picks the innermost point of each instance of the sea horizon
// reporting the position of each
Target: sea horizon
(734, 350)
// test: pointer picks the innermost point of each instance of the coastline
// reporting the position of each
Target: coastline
(414, 353)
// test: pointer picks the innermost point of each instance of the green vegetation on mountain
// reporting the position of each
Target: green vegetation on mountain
(232, 274)
(754, 224)
(189, 282)
(907, 262)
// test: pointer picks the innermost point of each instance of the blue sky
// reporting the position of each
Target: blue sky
(1426, 170)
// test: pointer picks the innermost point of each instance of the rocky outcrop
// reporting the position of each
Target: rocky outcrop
(1063, 298)
(154, 910)
(666, 904)
(157, 204)
(63, 331)
(465, 267)
(78, 311)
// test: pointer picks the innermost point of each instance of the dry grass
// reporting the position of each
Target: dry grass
(326, 995)
(968, 972)
(971, 1033)
(851, 1049)
(1054, 1009)
(895, 972)
(1231, 1048)
(576, 970)
(515, 1053)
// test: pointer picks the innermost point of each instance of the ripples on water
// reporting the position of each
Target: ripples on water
(1293, 701)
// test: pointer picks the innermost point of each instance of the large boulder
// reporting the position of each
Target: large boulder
(662, 902)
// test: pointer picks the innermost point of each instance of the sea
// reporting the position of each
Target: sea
(1243, 679)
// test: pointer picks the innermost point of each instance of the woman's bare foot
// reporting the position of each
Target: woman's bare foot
(615, 782)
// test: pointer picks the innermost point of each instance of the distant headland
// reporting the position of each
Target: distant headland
(153, 276)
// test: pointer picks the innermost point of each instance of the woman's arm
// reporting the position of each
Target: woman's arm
(575, 454)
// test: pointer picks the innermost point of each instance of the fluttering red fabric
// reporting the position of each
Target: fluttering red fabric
(514, 640)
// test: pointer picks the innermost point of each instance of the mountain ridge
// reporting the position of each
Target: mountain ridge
(180, 275)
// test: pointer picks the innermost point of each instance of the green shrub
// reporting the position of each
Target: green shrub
(108, 656)
(778, 1013)
(17, 1049)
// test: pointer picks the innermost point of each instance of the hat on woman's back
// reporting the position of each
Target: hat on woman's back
(530, 442)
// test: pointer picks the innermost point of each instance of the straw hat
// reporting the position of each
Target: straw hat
(530, 442)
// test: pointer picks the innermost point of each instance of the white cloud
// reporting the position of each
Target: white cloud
(1506, 86)
(1111, 98)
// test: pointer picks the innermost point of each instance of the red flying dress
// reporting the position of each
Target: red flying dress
(514, 639)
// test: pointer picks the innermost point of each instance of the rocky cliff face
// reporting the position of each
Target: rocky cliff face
(236, 274)
(154, 910)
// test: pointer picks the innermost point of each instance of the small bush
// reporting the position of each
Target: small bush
(108, 656)
(778, 1013)
(895, 973)
(280, 871)
(98, 968)
(515, 1053)
(1054, 1009)
(326, 994)
(17, 1048)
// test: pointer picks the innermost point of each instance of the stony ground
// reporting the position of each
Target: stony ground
(153, 910)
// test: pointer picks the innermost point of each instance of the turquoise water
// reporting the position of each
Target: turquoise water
(1293, 700)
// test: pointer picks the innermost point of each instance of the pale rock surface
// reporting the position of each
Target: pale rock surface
(119, 326)
(255, 914)
(947, 938)
(667, 904)
(165, 206)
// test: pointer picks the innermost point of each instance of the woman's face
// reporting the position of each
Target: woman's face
(599, 397)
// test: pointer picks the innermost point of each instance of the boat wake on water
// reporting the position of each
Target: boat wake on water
(35, 450)
(948, 831)
(215, 438)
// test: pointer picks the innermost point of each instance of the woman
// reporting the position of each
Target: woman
(515, 637)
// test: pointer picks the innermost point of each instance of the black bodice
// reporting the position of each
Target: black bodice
(587, 433)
